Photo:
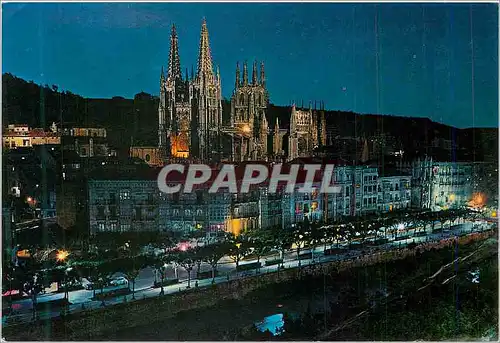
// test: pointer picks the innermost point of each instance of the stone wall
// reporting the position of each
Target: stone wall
(86, 325)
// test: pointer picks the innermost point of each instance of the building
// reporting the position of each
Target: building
(394, 191)
(190, 109)
(307, 131)
(151, 155)
(88, 146)
(278, 135)
(86, 132)
(249, 104)
(16, 136)
(134, 203)
(441, 185)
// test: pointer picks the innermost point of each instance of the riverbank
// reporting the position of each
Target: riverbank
(340, 295)
(185, 309)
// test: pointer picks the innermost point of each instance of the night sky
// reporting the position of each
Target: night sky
(401, 59)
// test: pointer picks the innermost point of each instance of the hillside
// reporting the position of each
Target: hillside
(135, 120)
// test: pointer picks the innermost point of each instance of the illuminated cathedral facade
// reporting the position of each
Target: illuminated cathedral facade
(190, 124)
(190, 108)
(249, 104)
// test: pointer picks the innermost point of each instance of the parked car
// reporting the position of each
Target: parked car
(94, 285)
(119, 281)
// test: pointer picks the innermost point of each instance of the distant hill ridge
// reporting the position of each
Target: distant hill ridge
(135, 121)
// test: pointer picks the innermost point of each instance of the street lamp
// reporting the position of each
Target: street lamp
(163, 272)
(298, 248)
(66, 290)
(62, 255)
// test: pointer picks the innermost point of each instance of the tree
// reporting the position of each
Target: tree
(186, 260)
(260, 242)
(98, 272)
(281, 239)
(131, 266)
(316, 234)
(213, 253)
(239, 247)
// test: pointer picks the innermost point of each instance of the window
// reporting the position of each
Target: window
(306, 208)
(101, 227)
(100, 212)
(147, 158)
(138, 213)
(125, 194)
(199, 197)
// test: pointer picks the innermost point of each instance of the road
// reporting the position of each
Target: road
(81, 299)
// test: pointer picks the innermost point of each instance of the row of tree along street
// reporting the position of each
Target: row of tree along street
(125, 253)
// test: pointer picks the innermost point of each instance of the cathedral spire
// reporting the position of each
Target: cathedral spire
(254, 73)
(174, 63)
(245, 74)
(262, 75)
(237, 81)
(162, 76)
(204, 57)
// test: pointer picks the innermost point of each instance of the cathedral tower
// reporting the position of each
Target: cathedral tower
(249, 104)
(206, 104)
(174, 109)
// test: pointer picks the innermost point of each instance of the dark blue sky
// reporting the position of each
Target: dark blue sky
(311, 51)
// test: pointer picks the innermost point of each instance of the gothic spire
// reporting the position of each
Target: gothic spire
(174, 63)
(254, 73)
(237, 81)
(204, 56)
(162, 76)
(262, 75)
(245, 74)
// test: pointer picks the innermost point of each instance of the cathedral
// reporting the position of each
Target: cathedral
(190, 108)
(305, 135)
(249, 104)
(190, 115)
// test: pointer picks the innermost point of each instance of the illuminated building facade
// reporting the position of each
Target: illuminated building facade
(190, 108)
(304, 135)
(249, 104)
(21, 136)
(394, 192)
(149, 154)
(441, 185)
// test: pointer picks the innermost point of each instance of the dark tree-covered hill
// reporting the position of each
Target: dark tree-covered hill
(135, 121)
